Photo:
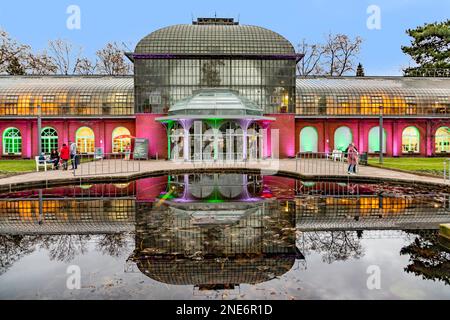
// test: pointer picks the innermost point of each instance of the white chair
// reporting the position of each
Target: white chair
(42, 164)
(337, 155)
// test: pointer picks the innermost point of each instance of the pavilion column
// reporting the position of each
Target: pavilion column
(244, 125)
(244, 143)
(187, 124)
(186, 144)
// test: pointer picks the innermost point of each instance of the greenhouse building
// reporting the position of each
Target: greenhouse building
(216, 89)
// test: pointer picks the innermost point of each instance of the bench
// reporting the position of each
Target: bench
(40, 163)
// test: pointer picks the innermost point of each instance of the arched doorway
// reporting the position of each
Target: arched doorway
(411, 140)
(374, 140)
(12, 142)
(49, 140)
(342, 138)
(309, 139)
(119, 143)
(85, 139)
(442, 140)
(230, 141)
(254, 142)
(176, 137)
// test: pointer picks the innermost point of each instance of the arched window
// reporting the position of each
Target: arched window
(308, 139)
(176, 139)
(342, 138)
(12, 141)
(374, 140)
(49, 140)
(230, 141)
(120, 139)
(411, 140)
(85, 140)
(254, 142)
(442, 140)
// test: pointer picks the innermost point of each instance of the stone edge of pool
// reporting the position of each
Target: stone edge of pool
(47, 183)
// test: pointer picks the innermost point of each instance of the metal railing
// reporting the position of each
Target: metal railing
(234, 159)
(321, 163)
(446, 170)
(106, 163)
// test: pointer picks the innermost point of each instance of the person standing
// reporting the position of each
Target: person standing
(73, 155)
(64, 153)
(352, 158)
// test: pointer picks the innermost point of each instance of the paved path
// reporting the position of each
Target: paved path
(312, 169)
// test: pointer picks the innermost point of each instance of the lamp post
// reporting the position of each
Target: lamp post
(380, 127)
(39, 126)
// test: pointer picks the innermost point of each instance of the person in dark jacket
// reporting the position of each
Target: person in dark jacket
(64, 153)
(54, 157)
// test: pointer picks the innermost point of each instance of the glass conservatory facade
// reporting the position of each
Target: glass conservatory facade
(173, 62)
(88, 110)
(216, 124)
(215, 89)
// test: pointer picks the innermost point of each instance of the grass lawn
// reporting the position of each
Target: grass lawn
(424, 165)
(17, 166)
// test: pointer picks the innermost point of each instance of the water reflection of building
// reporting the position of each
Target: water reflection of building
(342, 205)
(84, 208)
(214, 231)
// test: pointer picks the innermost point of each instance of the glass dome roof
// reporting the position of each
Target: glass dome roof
(214, 38)
(216, 102)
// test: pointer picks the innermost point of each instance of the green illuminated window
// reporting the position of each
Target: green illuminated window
(374, 140)
(308, 139)
(12, 141)
(49, 140)
(342, 138)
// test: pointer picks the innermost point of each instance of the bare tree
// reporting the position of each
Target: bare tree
(335, 57)
(311, 63)
(333, 245)
(340, 52)
(11, 51)
(85, 67)
(111, 60)
(40, 64)
(65, 55)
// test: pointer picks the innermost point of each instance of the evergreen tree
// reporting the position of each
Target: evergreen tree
(430, 48)
(360, 70)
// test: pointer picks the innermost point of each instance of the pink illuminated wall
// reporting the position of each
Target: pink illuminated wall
(154, 131)
(360, 130)
(66, 130)
(149, 189)
(145, 126)
(285, 123)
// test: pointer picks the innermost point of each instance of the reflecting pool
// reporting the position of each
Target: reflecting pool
(224, 236)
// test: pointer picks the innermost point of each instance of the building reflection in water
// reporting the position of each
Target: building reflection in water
(216, 231)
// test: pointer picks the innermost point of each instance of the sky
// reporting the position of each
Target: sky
(101, 21)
